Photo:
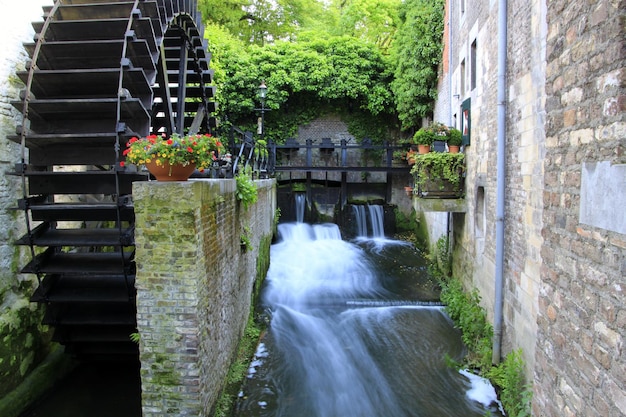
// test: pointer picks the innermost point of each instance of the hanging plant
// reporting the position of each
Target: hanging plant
(439, 173)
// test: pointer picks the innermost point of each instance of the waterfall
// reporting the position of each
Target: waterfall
(361, 220)
(341, 342)
(377, 217)
(373, 217)
(300, 205)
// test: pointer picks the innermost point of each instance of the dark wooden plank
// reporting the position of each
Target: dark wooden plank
(86, 182)
(80, 212)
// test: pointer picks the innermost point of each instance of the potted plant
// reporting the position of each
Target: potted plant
(439, 174)
(455, 140)
(174, 158)
(410, 157)
(423, 138)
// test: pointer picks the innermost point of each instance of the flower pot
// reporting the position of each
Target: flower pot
(454, 148)
(167, 172)
(423, 149)
(408, 191)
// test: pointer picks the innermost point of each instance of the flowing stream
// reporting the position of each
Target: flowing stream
(356, 330)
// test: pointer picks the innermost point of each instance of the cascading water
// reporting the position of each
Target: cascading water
(372, 215)
(377, 216)
(346, 338)
(300, 199)
(361, 219)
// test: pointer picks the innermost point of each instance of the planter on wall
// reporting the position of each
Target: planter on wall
(167, 172)
(439, 175)
(439, 188)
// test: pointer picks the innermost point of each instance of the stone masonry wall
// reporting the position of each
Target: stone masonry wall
(581, 365)
(474, 34)
(194, 287)
(565, 259)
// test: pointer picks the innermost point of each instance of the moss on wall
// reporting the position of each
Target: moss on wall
(412, 228)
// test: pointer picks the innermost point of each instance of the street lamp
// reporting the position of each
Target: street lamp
(261, 121)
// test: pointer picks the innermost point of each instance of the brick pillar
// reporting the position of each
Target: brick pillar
(194, 286)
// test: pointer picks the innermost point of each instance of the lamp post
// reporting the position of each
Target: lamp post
(261, 121)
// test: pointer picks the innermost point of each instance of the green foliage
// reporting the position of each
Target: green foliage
(428, 134)
(259, 21)
(239, 368)
(442, 253)
(260, 149)
(374, 21)
(247, 191)
(455, 137)
(465, 310)
(298, 187)
(135, 337)
(244, 239)
(509, 377)
(417, 50)
(423, 137)
(435, 166)
(339, 75)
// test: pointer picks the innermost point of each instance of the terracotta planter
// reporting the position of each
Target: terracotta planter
(454, 148)
(423, 149)
(169, 172)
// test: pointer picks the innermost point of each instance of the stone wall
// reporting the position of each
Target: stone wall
(565, 262)
(582, 308)
(194, 286)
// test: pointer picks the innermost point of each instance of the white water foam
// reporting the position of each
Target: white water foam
(481, 390)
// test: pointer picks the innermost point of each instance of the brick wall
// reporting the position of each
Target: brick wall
(194, 287)
(582, 309)
(565, 263)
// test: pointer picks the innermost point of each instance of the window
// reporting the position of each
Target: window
(479, 214)
(462, 74)
(473, 65)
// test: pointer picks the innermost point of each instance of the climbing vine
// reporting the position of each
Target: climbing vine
(418, 51)
(306, 79)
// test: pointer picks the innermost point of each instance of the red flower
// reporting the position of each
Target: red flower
(170, 141)
(126, 151)
(189, 149)
(122, 163)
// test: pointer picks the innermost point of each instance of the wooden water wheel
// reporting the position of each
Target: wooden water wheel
(100, 72)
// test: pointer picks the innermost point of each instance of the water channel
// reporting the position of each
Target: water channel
(355, 331)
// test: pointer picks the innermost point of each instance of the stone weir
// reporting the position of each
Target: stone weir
(195, 283)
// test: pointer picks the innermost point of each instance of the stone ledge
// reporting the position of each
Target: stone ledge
(453, 205)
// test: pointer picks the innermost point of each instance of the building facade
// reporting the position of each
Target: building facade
(562, 93)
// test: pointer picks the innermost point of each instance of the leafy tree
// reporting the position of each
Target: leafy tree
(263, 21)
(374, 21)
(296, 47)
(339, 75)
(418, 50)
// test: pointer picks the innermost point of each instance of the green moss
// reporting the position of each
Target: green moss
(239, 368)
(248, 343)
(26, 363)
(412, 228)
(55, 366)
